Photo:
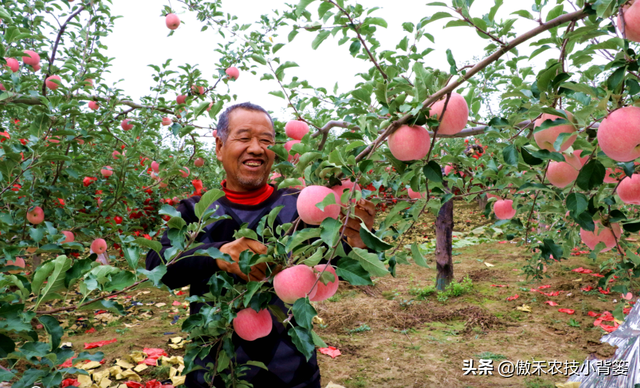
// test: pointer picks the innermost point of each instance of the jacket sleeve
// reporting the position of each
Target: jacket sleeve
(187, 271)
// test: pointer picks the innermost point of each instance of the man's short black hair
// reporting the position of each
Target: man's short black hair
(223, 122)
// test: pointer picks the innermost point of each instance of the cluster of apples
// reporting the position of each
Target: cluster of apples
(296, 130)
(413, 142)
(290, 285)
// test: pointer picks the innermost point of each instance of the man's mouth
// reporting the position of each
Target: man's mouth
(253, 163)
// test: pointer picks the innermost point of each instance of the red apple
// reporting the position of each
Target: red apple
(51, 84)
(68, 236)
(12, 64)
(185, 172)
(106, 171)
(93, 105)
(294, 283)
(600, 233)
(455, 116)
(416, 195)
(631, 21)
(561, 174)
(99, 246)
(547, 137)
(197, 89)
(251, 325)
(181, 99)
(35, 215)
(287, 146)
(629, 190)
(409, 143)
(619, 134)
(296, 129)
(325, 292)
(199, 162)
(125, 124)
(166, 121)
(173, 21)
(31, 58)
(233, 72)
(345, 185)
(504, 209)
(115, 155)
(155, 166)
(307, 209)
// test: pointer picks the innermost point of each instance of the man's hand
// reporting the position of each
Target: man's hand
(365, 210)
(233, 249)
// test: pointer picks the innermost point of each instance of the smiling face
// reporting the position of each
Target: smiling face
(244, 155)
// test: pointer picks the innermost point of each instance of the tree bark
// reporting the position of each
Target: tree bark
(444, 245)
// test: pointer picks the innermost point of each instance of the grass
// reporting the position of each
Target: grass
(360, 329)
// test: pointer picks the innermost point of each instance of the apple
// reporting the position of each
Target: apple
(455, 116)
(345, 185)
(115, 154)
(125, 124)
(576, 160)
(561, 174)
(93, 105)
(197, 89)
(118, 220)
(181, 99)
(448, 169)
(251, 325)
(547, 137)
(18, 263)
(2, 87)
(629, 190)
(88, 83)
(296, 129)
(233, 72)
(106, 171)
(295, 282)
(306, 205)
(12, 64)
(323, 291)
(409, 143)
(155, 166)
(31, 58)
(35, 215)
(619, 134)
(631, 21)
(611, 175)
(99, 246)
(215, 133)
(185, 172)
(416, 195)
(166, 121)
(287, 146)
(503, 209)
(68, 236)
(36, 67)
(601, 233)
(199, 162)
(173, 21)
(50, 82)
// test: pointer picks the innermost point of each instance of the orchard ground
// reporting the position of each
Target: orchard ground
(397, 333)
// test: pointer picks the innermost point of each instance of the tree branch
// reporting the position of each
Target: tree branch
(331, 124)
(477, 68)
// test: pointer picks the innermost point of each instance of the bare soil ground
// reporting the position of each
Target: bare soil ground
(391, 336)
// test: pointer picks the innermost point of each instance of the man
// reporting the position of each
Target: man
(245, 131)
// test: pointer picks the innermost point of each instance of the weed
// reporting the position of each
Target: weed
(360, 329)
(422, 293)
(122, 331)
(573, 323)
(160, 373)
(490, 356)
(455, 289)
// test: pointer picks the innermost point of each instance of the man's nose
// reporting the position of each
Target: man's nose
(255, 147)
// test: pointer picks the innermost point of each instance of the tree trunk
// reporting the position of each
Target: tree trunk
(444, 244)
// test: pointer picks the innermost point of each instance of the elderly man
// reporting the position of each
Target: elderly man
(245, 132)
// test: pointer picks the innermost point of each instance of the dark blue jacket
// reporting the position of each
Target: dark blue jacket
(288, 368)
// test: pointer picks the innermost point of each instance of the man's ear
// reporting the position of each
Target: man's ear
(219, 145)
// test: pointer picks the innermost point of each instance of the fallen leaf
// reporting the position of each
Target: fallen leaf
(158, 305)
(551, 303)
(524, 307)
(577, 280)
(568, 311)
(489, 264)
(90, 365)
(545, 286)
(587, 288)
(139, 368)
(98, 344)
(330, 351)
(124, 364)
(592, 314)
(514, 297)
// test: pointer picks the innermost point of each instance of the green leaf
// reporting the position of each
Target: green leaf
(54, 330)
(330, 199)
(616, 79)
(301, 236)
(280, 70)
(315, 259)
(530, 159)
(550, 248)
(155, 275)
(200, 109)
(317, 340)
(304, 312)
(155, 245)
(452, 62)
(6, 346)
(369, 261)
(371, 240)
(432, 171)
(207, 200)
(591, 175)
(417, 256)
(322, 36)
(55, 281)
(352, 272)
(330, 231)
(434, 17)
(631, 227)
(258, 58)
(363, 94)
(214, 253)
(245, 262)
(301, 337)
(577, 203)
(494, 9)
(510, 154)
(302, 5)
(377, 21)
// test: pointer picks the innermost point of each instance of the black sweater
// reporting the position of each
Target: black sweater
(288, 368)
